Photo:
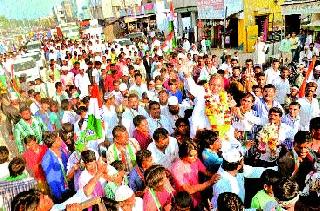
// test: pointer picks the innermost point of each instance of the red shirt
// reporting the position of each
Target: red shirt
(75, 71)
(33, 162)
(109, 78)
(226, 83)
(143, 139)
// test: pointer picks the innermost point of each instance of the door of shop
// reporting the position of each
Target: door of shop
(232, 30)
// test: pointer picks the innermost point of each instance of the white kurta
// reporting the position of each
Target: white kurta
(308, 111)
(282, 89)
(110, 120)
(235, 184)
(139, 89)
(163, 122)
(259, 54)
(167, 157)
(129, 114)
(173, 118)
(82, 82)
(199, 119)
(249, 120)
(271, 75)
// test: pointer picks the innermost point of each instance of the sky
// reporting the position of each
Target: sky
(29, 9)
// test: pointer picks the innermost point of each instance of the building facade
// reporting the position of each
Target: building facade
(259, 18)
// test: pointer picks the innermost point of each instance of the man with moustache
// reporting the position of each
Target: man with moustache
(173, 110)
(28, 125)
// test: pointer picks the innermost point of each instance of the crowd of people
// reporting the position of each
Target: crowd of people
(147, 130)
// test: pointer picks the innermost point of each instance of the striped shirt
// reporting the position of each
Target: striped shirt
(8, 190)
(22, 129)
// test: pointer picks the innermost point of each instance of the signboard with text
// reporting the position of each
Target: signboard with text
(305, 8)
(210, 9)
(149, 8)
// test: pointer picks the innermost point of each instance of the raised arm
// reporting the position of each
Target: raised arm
(193, 88)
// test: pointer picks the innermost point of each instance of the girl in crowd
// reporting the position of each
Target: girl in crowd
(159, 193)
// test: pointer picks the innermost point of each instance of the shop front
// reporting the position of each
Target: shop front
(306, 15)
(296, 12)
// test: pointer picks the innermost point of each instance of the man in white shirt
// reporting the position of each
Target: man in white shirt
(173, 110)
(316, 78)
(227, 65)
(96, 72)
(156, 120)
(233, 171)
(203, 45)
(164, 149)
(133, 109)
(97, 171)
(282, 85)
(155, 43)
(52, 54)
(123, 149)
(245, 117)
(82, 82)
(140, 67)
(109, 115)
(126, 199)
(273, 72)
(285, 131)
(4, 169)
(194, 50)
(309, 106)
(35, 106)
(139, 87)
(293, 118)
(186, 45)
(312, 51)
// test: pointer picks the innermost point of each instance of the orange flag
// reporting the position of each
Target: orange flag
(304, 83)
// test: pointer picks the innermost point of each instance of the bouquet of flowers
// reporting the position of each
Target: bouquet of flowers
(3, 85)
(218, 112)
(312, 184)
(268, 142)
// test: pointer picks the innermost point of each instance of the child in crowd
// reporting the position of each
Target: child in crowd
(174, 91)
(269, 179)
(55, 115)
(111, 187)
(69, 116)
(4, 162)
(211, 147)
(33, 156)
(17, 171)
(40, 87)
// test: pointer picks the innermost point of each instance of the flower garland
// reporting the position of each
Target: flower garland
(268, 140)
(312, 184)
(218, 112)
(3, 85)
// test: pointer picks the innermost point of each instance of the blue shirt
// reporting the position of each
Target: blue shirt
(136, 183)
(178, 94)
(45, 117)
(262, 109)
(211, 160)
(55, 173)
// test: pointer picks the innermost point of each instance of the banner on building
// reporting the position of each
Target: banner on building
(210, 9)
(139, 10)
(215, 9)
(149, 8)
(303, 8)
